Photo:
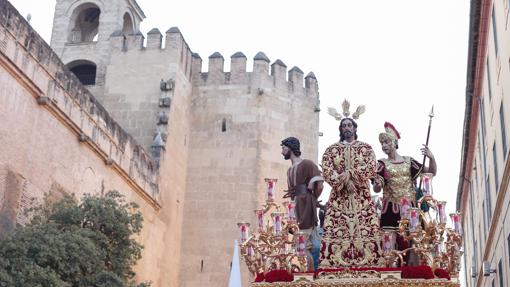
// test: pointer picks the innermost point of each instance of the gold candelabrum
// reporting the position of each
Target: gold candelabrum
(425, 235)
(276, 242)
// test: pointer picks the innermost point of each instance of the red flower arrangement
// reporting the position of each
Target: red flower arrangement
(441, 273)
(279, 276)
(417, 272)
(259, 278)
(275, 276)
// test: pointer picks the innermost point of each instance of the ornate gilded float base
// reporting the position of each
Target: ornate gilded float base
(364, 283)
(358, 278)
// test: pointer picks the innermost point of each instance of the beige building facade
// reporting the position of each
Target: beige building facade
(107, 108)
(483, 196)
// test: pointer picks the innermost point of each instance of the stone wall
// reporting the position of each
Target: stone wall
(56, 137)
(192, 148)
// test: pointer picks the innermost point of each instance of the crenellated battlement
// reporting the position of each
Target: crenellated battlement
(264, 74)
(178, 135)
(154, 40)
(170, 47)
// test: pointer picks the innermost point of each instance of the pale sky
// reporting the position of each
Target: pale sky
(397, 57)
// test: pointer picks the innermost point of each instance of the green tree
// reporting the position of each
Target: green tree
(74, 244)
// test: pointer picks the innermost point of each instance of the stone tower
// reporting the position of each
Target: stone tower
(238, 121)
(81, 30)
(213, 136)
(147, 91)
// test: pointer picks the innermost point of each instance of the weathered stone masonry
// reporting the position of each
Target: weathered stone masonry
(191, 147)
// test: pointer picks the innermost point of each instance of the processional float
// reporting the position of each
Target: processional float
(274, 249)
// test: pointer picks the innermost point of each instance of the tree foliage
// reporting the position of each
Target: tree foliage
(75, 244)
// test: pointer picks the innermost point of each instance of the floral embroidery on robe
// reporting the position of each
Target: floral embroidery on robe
(351, 228)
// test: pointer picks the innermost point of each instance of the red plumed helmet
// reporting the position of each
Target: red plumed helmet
(390, 129)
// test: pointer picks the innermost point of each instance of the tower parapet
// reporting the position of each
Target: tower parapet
(311, 84)
(238, 68)
(261, 64)
(118, 41)
(134, 41)
(173, 38)
(154, 39)
(279, 73)
(196, 66)
(296, 79)
(176, 45)
(215, 73)
(260, 77)
(263, 76)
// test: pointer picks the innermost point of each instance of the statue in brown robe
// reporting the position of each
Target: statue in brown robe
(305, 185)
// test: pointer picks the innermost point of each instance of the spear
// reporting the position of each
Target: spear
(431, 115)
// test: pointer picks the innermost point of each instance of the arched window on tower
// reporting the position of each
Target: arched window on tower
(127, 27)
(86, 23)
(84, 70)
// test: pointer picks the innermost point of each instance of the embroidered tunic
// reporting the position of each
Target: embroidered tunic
(351, 228)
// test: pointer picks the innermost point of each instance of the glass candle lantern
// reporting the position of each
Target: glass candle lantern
(271, 191)
(277, 223)
(457, 226)
(441, 212)
(260, 219)
(244, 229)
(301, 244)
(388, 240)
(290, 206)
(427, 183)
(414, 219)
(405, 204)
